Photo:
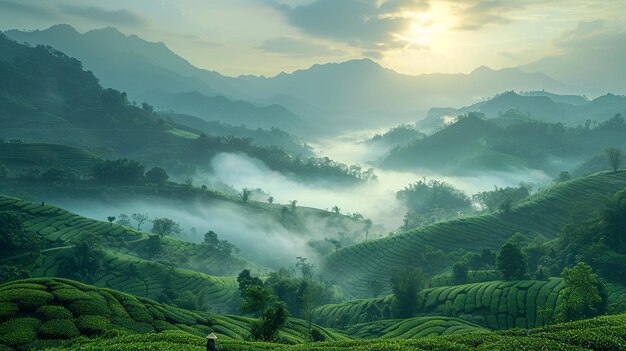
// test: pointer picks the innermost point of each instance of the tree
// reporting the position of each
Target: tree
(122, 171)
(306, 269)
(245, 280)
(511, 262)
(157, 176)
(459, 273)
(246, 194)
(474, 262)
(165, 226)
(211, 240)
(123, 219)
(406, 282)
(563, 177)
(267, 327)
(140, 218)
(147, 107)
(270, 200)
(582, 295)
(256, 299)
(614, 219)
(111, 219)
(614, 157)
(13, 236)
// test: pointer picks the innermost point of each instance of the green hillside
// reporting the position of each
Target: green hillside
(474, 145)
(495, 305)
(411, 328)
(542, 215)
(19, 157)
(602, 333)
(124, 262)
(38, 313)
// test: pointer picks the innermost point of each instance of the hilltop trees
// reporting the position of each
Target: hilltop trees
(614, 157)
(614, 219)
(122, 171)
(406, 282)
(140, 218)
(459, 273)
(13, 237)
(157, 175)
(165, 226)
(511, 262)
(430, 201)
(246, 194)
(582, 296)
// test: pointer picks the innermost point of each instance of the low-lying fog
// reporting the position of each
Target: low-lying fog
(257, 235)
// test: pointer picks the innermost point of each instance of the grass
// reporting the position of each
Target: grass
(542, 215)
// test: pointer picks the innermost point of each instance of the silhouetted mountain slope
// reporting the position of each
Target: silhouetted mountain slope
(569, 109)
(473, 144)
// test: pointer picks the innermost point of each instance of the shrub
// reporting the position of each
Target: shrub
(59, 329)
(19, 331)
(54, 312)
(7, 310)
(92, 307)
(137, 311)
(92, 325)
(26, 298)
(69, 295)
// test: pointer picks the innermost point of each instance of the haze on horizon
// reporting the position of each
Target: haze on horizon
(266, 37)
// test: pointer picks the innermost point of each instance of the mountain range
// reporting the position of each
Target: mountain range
(355, 90)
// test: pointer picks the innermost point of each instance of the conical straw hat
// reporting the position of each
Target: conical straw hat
(212, 336)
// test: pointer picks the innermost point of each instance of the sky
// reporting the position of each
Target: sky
(266, 37)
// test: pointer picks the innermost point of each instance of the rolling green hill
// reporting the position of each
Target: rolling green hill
(603, 333)
(510, 142)
(39, 313)
(495, 305)
(19, 157)
(542, 215)
(124, 264)
(411, 328)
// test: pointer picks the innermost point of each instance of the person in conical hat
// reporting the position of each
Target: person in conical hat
(210, 343)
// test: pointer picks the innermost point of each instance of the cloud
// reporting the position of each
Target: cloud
(298, 48)
(366, 24)
(477, 14)
(23, 7)
(590, 35)
(114, 17)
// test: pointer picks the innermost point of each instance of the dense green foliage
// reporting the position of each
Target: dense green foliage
(474, 144)
(354, 267)
(432, 201)
(511, 262)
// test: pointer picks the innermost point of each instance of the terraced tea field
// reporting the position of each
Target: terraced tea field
(418, 327)
(542, 215)
(497, 304)
(123, 268)
(40, 312)
(19, 157)
(603, 333)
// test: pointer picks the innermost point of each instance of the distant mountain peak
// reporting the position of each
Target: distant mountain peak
(483, 69)
(61, 29)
